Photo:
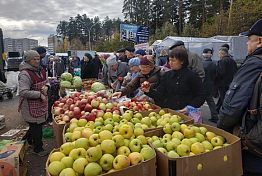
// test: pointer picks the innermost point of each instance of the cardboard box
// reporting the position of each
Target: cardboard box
(12, 159)
(147, 168)
(58, 132)
(185, 119)
(226, 161)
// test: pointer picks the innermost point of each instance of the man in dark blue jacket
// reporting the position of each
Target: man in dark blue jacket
(238, 97)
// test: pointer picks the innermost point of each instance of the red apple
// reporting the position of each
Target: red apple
(61, 105)
(100, 113)
(91, 116)
(116, 112)
(104, 100)
(82, 96)
(56, 103)
(65, 107)
(77, 112)
(57, 111)
(71, 114)
(63, 100)
(69, 101)
(66, 118)
(88, 108)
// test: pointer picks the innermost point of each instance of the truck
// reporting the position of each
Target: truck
(13, 61)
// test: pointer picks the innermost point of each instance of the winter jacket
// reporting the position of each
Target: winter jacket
(240, 91)
(226, 68)
(59, 67)
(195, 64)
(210, 74)
(179, 88)
(153, 77)
(121, 71)
(97, 66)
(87, 69)
(162, 60)
(25, 83)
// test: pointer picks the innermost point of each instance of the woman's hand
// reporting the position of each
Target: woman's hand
(145, 86)
(184, 110)
(43, 97)
(116, 94)
(44, 90)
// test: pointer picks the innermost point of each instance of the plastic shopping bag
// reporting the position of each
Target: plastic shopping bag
(195, 113)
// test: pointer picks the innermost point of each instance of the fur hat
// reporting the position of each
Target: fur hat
(30, 54)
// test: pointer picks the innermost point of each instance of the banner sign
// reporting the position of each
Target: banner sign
(134, 33)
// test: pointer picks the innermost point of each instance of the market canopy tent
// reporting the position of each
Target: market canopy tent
(193, 44)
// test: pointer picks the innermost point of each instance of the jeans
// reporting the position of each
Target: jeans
(252, 165)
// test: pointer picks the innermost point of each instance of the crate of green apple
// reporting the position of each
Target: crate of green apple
(91, 152)
(188, 149)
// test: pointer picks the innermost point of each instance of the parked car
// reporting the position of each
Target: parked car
(13, 61)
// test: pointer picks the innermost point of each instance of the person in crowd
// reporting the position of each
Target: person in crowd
(178, 87)
(162, 59)
(44, 59)
(228, 48)
(226, 68)
(87, 67)
(148, 72)
(209, 82)
(116, 72)
(130, 53)
(33, 88)
(242, 106)
(140, 53)
(194, 61)
(121, 55)
(133, 70)
(97, 65)
(74, 64)
(59, 66)
(103, 58)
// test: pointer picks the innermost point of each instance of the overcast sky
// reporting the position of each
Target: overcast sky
(37, 19)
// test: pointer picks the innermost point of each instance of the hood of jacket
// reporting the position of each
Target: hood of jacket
(24, 66)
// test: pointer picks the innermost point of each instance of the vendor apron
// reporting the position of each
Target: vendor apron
(37, 107)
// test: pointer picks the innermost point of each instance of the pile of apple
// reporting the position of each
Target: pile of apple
(93, 152)
(88, 105)
(182, 140)
(137, 105)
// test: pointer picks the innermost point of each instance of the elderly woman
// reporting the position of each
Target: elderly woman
(148, 72)
(179, 87)
(33, 87)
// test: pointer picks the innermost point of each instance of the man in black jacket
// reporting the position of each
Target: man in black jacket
(226, 68)
(209, 84)
(238, 97)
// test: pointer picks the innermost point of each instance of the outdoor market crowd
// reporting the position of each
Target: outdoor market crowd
(177, 79)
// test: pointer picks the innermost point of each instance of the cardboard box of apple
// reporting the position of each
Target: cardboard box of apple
(195, 150)
(91, 151)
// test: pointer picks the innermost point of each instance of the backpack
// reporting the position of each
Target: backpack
(250, 130)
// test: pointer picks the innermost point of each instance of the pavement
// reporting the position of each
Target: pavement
(14, 120)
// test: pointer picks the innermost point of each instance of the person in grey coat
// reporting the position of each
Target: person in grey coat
(33, 104)
(195, 62)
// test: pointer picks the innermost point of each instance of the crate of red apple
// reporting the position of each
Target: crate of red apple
(139, 105)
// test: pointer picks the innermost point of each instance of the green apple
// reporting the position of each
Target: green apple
(200, 137)
(183, 127)
(135, 145)
(153, 120)
(123, 150)
(126, 141)
(210, 135)
(86, 133)
(56, 156)
(94, 140)
(189, 132)
(98, 123)
(107, 115)
(178, 135)
(67, 172)
(172, 154)
(68, 137)
(106, 161)
(82, 122)
(108, 127)
(138, 131)
(94, 154)
(55, 167)
(167, 128)
(194, 140)
(162, 150)
(92, 169)
(148, 153)
(175, 126)
(142, 138)
(77, 153)
(123, 121)
(216, 141)
(82, 143)
(144, 126)
(183, 150)
(121, 162)
(173, 118)
(164, 141)
(203, 130)
(161, 112)
(222, 138)
(154, 138)
(196, 129)
(197, 148)
(109, 121)
(127, 116)
(66, 148)
(72, 126)
(157, 144)
(79, 165)
(135, 158)
(105, 134)
(207, 145)
(67, 161)
(76, 135)
(99, 119)
(187, 142)
(167, 136)
(126, 131)
(90, 125)
(135, 120)
(119, 140)
(138, 115)
(146, 121)
(172, 145)
(116, 117)
(98, 129)
(108, 146)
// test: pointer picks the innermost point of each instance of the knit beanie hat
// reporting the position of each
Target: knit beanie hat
(111, 60)
(140, 52)
(146, 61)
(30, 54)
(134, 62)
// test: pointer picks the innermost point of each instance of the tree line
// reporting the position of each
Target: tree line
(197, 18)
